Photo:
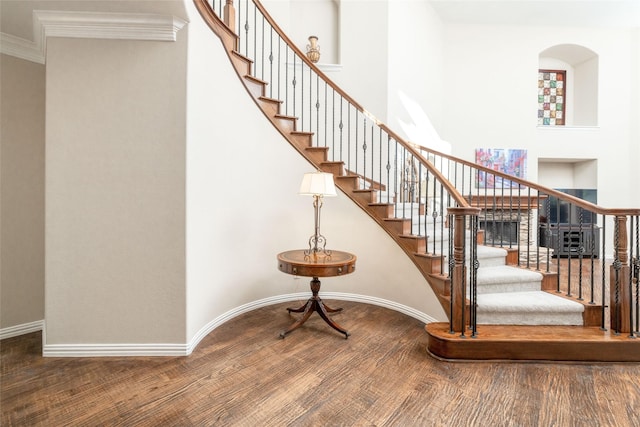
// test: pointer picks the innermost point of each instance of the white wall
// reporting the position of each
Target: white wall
(585, 99)
(568, 174)
(416, 67)
(364, 53)
(243, 209)
(491, 80)
(320, 18)
(115, 192)
(22, 114)
(634, 111)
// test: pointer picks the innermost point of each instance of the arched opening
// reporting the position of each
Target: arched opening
(578, 99)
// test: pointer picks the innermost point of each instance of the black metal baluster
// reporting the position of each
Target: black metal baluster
(593, 256)
(373, 162)
(603, 276)
(580, 252)
(475, 264)
(341, 126)
(463, 285)
(255, 41)
(434, 215)
(355, 147)
(548, 232)
(318, 136)
(271, 62)
(262, 51)
(569, 246)
(519, 222)
(364, 152)
(450, 272)
(286, 79)
(558, 243)
(302, 64)
(388, 167)
(396, 184)
(326, 102)
(380, 164)
(349, 138)
(451, 225)
(617, 264)
(636, 269)
(631, 334)
(294, 82)
(279, 62)
(502, 231)
(246, 33)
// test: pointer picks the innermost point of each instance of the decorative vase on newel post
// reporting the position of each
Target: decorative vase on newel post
(313, 49)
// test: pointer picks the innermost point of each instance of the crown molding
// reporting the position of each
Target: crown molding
(21, 48)
(89, 25)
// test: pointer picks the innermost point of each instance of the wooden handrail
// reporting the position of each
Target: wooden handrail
(459, 199)
(540, 188)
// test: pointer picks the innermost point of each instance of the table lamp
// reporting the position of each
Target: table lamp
(319, 185)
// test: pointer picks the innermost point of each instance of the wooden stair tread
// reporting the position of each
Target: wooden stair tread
(532, 342)
(239, 55)
(255, 79)
(267, 99)
(282, 116)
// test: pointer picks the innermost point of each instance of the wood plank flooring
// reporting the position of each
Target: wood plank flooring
(243, 374)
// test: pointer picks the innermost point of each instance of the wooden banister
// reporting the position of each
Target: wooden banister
(458, 314)
(230, 15)
(620, 290)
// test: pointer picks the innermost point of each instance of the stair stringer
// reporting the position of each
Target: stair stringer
(301, 141)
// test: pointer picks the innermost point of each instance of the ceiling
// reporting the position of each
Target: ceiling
(577, 13)
(16, 15)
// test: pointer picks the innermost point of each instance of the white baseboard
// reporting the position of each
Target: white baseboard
(120, 350)
(25, 328)
(112, 350)
(204, 331)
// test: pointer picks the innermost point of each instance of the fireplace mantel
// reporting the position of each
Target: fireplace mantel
(506, 201)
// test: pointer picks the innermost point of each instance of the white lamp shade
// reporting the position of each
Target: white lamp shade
(317, 184)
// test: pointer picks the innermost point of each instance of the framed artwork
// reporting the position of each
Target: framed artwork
(551, 97)
(510, 161)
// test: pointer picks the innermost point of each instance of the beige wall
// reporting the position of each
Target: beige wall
(115, 235)
(22, 111)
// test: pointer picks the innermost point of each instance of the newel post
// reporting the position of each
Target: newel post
(230, 15)
(620, 292)
(459, 316)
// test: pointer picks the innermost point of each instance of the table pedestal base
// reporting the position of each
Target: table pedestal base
(314, 304)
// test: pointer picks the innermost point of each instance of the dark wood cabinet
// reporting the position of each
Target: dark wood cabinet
(570, 239)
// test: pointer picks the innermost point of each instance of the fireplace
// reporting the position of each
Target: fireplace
(500, 232)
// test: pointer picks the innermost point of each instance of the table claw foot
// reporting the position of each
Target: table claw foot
(332, 310)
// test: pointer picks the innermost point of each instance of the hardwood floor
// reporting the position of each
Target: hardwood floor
(243, 374)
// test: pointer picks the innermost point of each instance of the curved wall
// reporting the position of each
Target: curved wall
(243, 209)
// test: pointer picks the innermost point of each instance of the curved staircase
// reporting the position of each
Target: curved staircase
(503, 292)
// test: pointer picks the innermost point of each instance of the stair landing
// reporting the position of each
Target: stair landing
(527, 343)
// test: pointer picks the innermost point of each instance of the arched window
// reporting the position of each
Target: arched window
(567, 86)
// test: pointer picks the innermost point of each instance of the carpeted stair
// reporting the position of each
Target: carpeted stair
(507, 295)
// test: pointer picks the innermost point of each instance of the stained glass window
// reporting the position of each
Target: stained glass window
(551, 97)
